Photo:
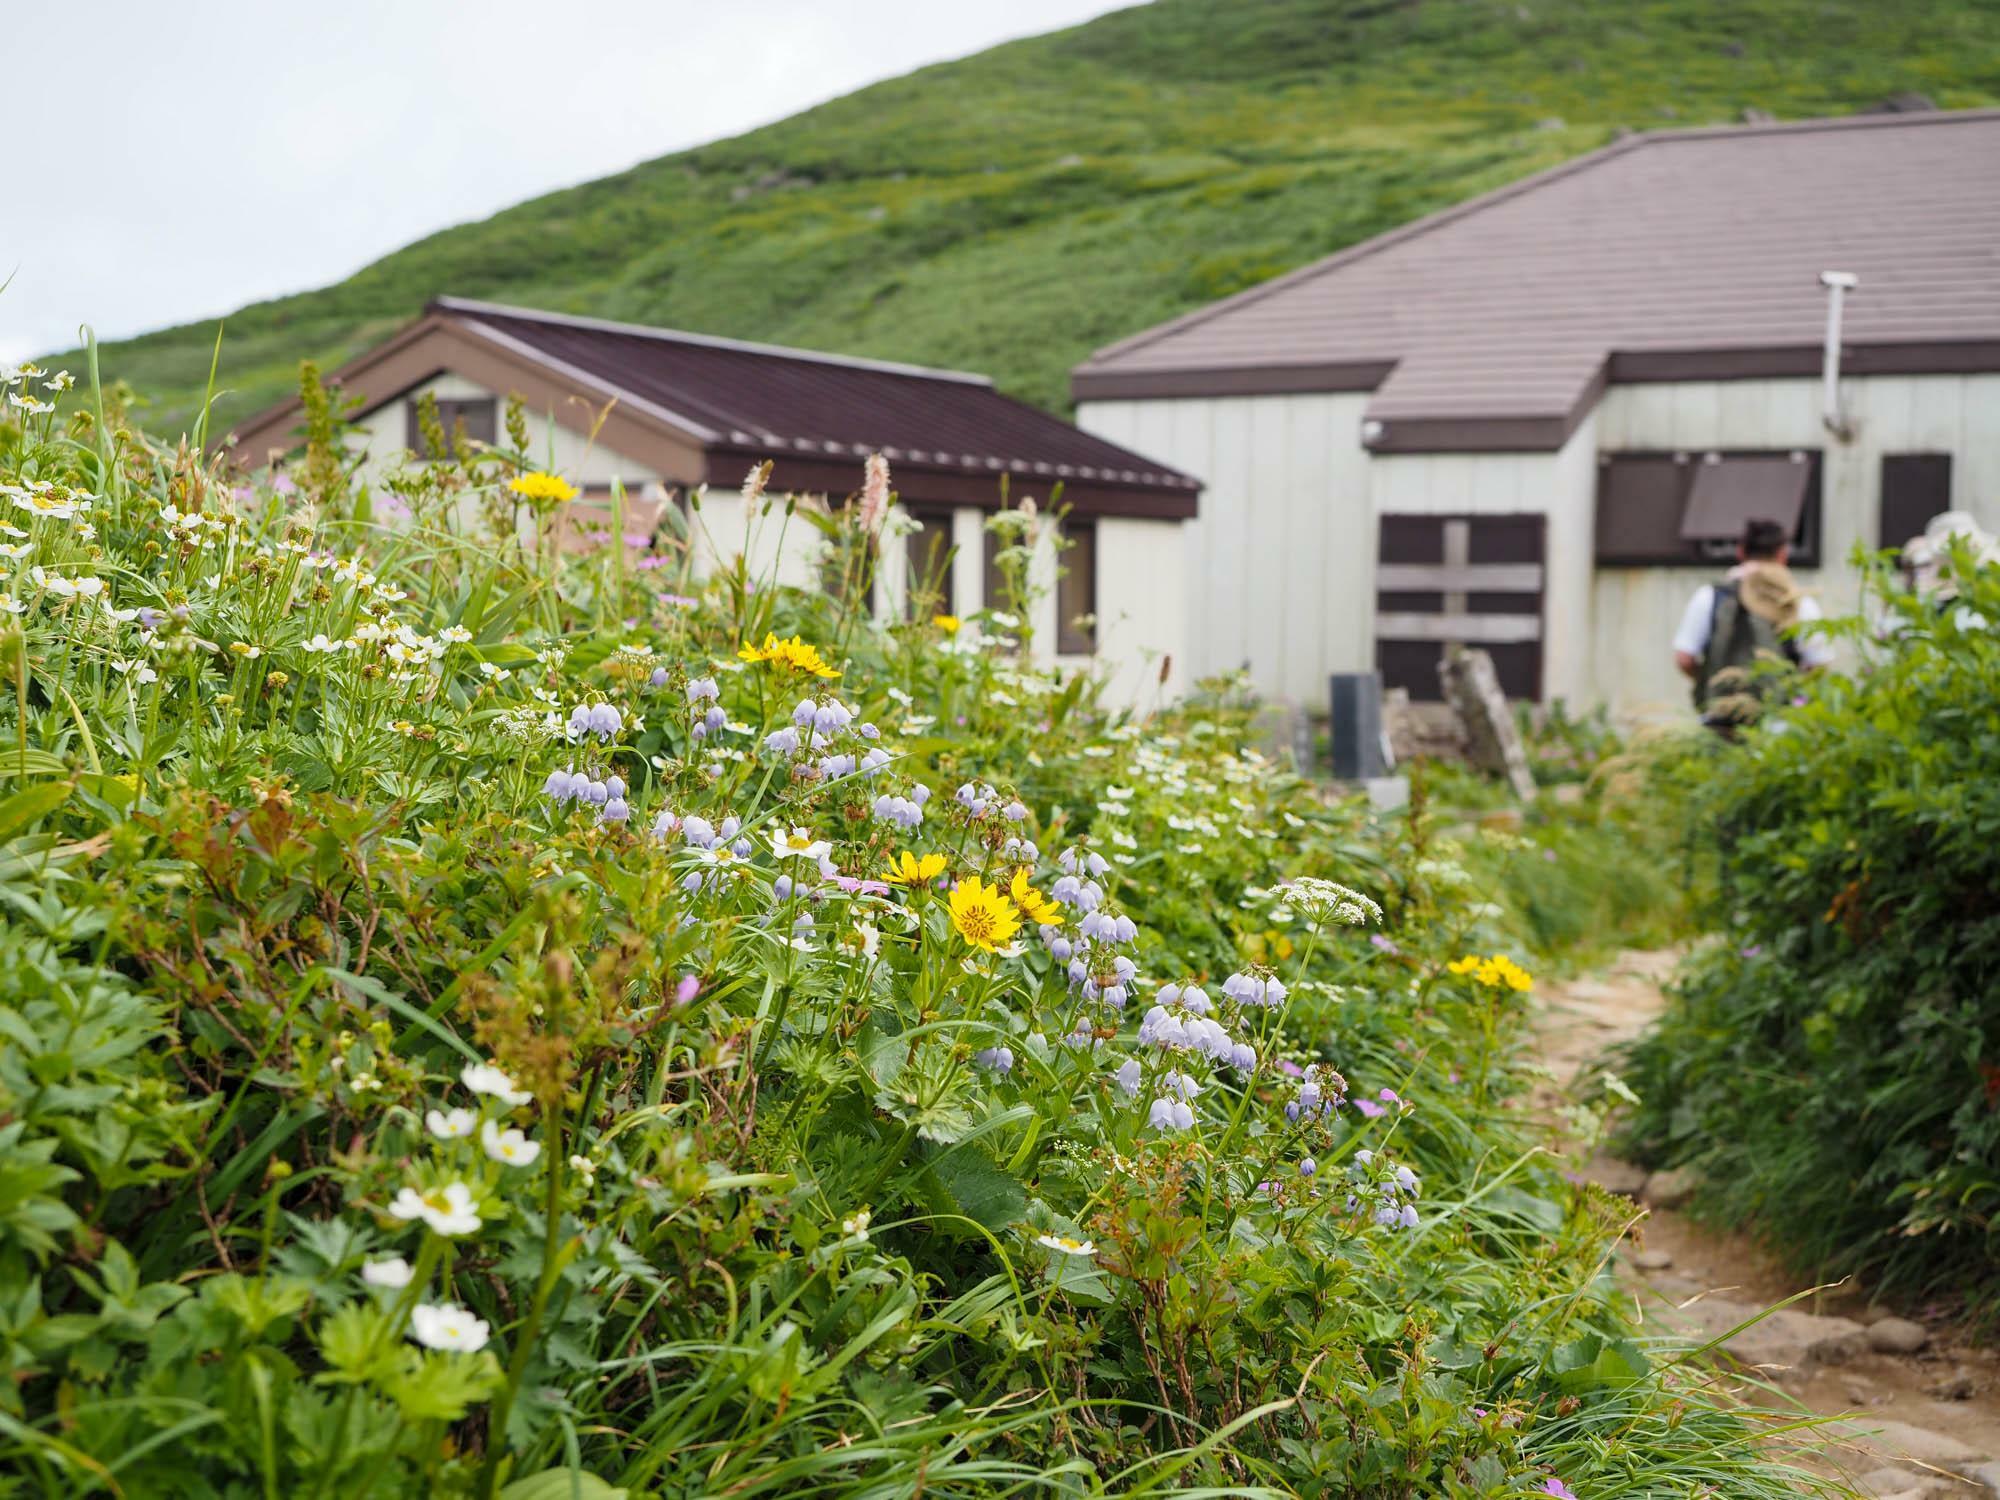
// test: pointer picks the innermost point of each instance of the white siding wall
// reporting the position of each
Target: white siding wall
(1282, 558)
(1281, 561)
(1634, 610)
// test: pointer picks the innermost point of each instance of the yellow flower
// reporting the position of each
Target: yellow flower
(543, 488)
(795, 653)
(914, 871)
(1036, 907)
(984, 918)
(1497, 972)
(947, 623)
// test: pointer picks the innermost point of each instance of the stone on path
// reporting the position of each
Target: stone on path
(1492, 743)
(1653, 1260)
(1670, 1188)
(1613, 1175)
(1786, 1345)
(1901, 1484)
(1898, 1336)
(1902, 1443)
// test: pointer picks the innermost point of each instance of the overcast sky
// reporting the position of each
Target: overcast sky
(174, 161)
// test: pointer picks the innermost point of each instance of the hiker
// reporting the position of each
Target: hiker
(1730, 625)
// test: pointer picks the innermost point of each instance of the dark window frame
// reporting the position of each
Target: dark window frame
(480, 414)
(916, 555)
(1079, 573)
(1695, 554)
(1911, 497)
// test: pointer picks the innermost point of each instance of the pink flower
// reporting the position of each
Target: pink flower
(1557, 1488)
(874, 493)
(687, 989)
(1370, 1108)
(855, 887)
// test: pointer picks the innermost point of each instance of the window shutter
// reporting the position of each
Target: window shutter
(1475, 580)
(1915, 487)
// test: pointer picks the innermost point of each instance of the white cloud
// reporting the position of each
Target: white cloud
(205, 155)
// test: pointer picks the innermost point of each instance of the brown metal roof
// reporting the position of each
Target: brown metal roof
(1679, 255)
(685, 402)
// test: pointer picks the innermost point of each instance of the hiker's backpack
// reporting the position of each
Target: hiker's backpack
(1737, 638)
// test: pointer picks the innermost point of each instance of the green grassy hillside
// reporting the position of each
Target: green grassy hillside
(1013, 210)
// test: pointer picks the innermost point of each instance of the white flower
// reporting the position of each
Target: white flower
(855, 1225)
(16, 549)
(508, 1147)
(393, 1272)
(442, 1326)
(485, 1078)
(1327, 900)
(448, 1210)
(585, 1168)
(320, 645)
(66, 588)
(12, 605)
(458, 635)
(137, 670)
(29, 404)
(1065, 1244)
(799, 844)
(450, 1125)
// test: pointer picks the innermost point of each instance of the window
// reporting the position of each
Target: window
(1076, 590)
(1640, 498)
(1475, 580)
(929, 550)
(1915, 487)
(478, 415)
(1687, 509)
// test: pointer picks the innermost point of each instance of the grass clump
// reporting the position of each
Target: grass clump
(476, 1024)
(1828, 1062)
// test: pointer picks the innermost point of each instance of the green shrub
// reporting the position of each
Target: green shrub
(1831, 1061)
(462, 1037)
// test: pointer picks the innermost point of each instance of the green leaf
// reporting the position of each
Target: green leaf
(561, 1484)
(34, 763)
(442, 1387)
(30, 806)
(983, 1192)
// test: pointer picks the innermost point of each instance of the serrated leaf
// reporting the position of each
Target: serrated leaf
(983, 1192)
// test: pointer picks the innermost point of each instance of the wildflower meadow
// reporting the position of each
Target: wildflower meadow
(481, 1016)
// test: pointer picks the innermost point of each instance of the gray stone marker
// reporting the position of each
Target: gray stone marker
(1472, 688)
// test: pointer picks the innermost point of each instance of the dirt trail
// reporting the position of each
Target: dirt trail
(1917, 1424)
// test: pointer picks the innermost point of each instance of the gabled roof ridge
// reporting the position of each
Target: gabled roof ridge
(1506, 193)
(474, 308)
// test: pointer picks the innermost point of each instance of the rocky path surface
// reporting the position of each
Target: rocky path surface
(1917, 1407)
